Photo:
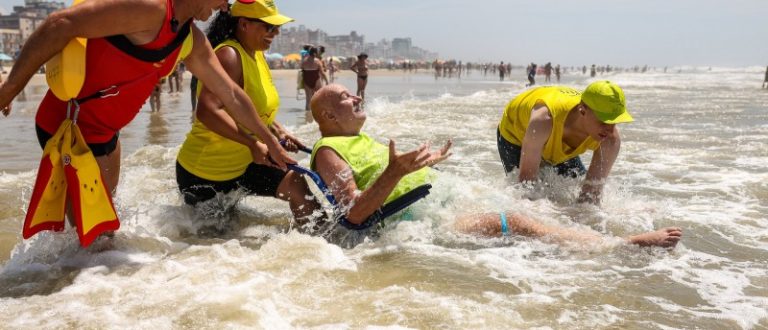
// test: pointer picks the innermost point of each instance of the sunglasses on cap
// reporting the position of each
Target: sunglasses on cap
(270, 27)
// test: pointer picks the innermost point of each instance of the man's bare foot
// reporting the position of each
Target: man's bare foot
(664, 237)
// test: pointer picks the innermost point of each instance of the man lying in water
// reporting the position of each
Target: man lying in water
(364, 175)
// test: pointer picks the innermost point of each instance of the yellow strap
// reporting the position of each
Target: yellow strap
(65, 71)
(186, 47)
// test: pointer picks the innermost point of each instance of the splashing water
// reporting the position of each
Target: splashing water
(695, 158)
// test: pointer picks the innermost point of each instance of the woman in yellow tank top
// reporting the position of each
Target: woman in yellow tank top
(219, 155)
(556, 124)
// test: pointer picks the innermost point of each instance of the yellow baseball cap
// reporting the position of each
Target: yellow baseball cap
(607, 102)
(264, 10)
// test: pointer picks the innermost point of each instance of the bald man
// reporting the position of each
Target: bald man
(363, 175)
(336, 156)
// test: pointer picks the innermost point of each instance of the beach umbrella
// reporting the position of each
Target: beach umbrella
(274, 56)
(292, 57)
(337, 59)
(5, 57)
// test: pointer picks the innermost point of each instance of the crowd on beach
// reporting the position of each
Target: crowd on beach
(313, 57)
(235, 142)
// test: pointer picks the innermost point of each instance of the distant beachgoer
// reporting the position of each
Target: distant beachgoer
(173, 79)
(584, 69)
(180, 76)
(593, 71)
(361, 69)
(556, 124)
(557, 73)
(765, 81)
(548, 72)
(331, 70)
(363, 174)
(531, 74)
(305, 51)
(312, 74)
(218, 156)
(154, 98)
(502, 71)
(320, 53)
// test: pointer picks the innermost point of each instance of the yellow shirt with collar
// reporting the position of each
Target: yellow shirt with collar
(560, 100)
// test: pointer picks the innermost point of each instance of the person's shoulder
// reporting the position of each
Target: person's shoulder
(147, 7)
(324, 151)
(145, 4)
(226, 50)
(229, 58)
(326, 155)
(125, 14)
(541, 113)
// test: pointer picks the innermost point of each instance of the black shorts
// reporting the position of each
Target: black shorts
(258, 180)
(98, 149)
(510, 157)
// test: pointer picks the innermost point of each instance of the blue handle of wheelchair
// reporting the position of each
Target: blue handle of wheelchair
(302, 148)
(316, 179)
(306, 149)
(387, 210)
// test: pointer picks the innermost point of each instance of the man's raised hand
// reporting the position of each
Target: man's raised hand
(411, 161)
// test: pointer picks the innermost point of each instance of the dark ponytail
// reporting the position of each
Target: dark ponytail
(222, 28)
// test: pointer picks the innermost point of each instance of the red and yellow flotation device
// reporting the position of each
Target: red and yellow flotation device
(68, 170)
(65, 71)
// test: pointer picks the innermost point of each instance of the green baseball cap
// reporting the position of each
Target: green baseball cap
(607, 102)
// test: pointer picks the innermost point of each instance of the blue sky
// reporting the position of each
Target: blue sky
(571, 32)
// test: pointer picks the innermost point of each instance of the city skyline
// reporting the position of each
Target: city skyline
(293, 38)
(625, 33)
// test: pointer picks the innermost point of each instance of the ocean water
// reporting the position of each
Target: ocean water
(695, 158)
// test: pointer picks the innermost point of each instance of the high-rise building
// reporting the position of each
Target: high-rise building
(401, 47)
(25, 19)
(10, 41)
